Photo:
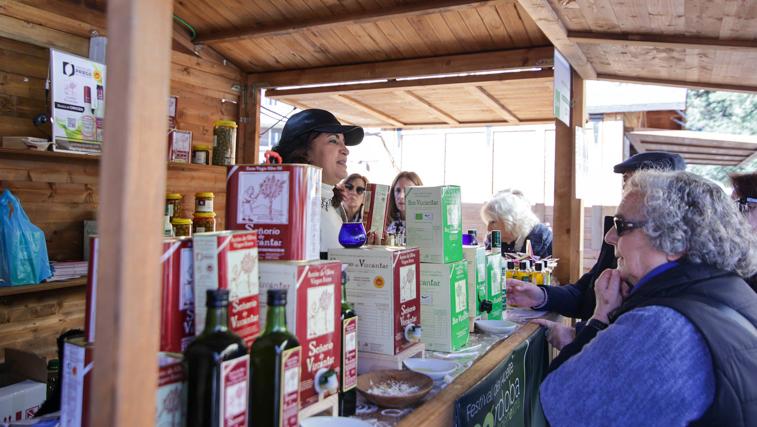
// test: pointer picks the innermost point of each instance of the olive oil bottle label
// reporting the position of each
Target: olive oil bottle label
(349, 356)
(233, 391)
(290, 387)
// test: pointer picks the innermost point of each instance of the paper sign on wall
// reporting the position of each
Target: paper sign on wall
(562, 89)
(78, 102)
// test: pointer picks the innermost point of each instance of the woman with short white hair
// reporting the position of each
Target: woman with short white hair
(509, 211)
(673, 336)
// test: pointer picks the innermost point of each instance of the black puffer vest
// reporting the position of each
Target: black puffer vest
(724, 310)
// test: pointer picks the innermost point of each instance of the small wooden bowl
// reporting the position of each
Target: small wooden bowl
(366, 381)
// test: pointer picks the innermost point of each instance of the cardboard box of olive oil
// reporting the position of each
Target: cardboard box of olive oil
(475, 258)
(494, 281)
(444, 305)
(375, 207)
(434, 222)
(383, 285)
(313, 310)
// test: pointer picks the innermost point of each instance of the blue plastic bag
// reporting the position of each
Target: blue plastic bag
(23, 250)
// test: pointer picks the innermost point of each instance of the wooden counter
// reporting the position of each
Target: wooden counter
(440, 410)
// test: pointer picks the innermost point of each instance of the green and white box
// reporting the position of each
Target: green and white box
(435, 222)
(475, 258)
(444, 305)
(494, 284)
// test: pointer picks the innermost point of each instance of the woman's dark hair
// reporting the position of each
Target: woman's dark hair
(395, 213)
(745, 184)
(297, 150)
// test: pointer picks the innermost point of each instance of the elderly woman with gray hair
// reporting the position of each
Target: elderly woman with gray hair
(509, 211)
(673, 339)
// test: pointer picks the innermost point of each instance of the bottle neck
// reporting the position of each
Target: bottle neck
(217, 319)
(276, 320)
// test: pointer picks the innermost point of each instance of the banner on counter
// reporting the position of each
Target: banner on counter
(78, 102)
(508, 395)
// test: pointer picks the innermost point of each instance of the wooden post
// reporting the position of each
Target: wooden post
(130, 215)
(568, 211)
(249, 128)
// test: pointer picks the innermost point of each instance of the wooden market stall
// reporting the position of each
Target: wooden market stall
(388, 63)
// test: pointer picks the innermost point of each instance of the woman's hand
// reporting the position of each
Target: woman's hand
(608, 289)
(523, 294)
(558, 335)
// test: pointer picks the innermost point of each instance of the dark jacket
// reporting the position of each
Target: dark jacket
(541, 242)
(724, 310)
(578, 300)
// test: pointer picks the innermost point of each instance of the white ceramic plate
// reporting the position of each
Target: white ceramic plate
(333, 422)
(434, 368)
(496, 326)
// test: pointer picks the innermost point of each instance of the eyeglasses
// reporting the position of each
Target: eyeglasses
(350, 187)
(622, 226)
(745, 202)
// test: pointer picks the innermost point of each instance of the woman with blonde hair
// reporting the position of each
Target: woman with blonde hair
(509, 211)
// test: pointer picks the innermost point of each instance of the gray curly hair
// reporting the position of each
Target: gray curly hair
(513, 208)
(687, 214)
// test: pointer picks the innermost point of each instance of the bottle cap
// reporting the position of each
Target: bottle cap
(511, 265)
(473, 232)
(486, 306)
(277, 297)
(524, 265)
(539, 266)
(217, 298)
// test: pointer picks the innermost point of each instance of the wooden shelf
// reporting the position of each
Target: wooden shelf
(42, 287)
(35, 154)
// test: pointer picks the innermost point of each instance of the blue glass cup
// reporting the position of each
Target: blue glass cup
(352, 235)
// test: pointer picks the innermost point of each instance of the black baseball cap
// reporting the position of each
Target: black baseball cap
(651, 160)
(314, 119)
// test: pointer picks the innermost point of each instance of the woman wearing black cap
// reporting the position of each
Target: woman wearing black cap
(316, 137)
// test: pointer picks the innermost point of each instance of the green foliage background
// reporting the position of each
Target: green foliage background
(722, 112)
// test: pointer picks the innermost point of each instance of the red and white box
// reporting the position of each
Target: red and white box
(76, 380)
(282, 203)
(171, 404)
(177, 324)
(314, 296)
(383, 285)
(229, 260)
(375, 207)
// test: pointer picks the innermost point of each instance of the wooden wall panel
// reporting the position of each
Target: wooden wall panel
(34, 321)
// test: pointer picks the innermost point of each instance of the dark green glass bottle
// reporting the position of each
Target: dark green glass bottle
(275, 369)
(216, 362)
(348, 383)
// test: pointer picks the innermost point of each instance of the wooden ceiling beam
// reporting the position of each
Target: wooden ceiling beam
(369, 110)
(550, 24)
(662, 41)
(414, 98)
(697, 149)
(503, 60)
(543, 121)
(678, 83)
(334, 22)
(492, 102)
(543, 76)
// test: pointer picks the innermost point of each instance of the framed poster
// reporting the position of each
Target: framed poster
(78, 102)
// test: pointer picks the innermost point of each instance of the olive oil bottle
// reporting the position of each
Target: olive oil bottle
(275, 369)
(217, 370)
(348, 383)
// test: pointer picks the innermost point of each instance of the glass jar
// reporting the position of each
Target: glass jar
(173, 204)
(224, 142)
(201, 154)
(204, 222)
(182, 227)
(204, 202)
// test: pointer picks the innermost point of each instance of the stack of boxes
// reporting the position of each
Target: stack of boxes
(434, 224)
(383, 286)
